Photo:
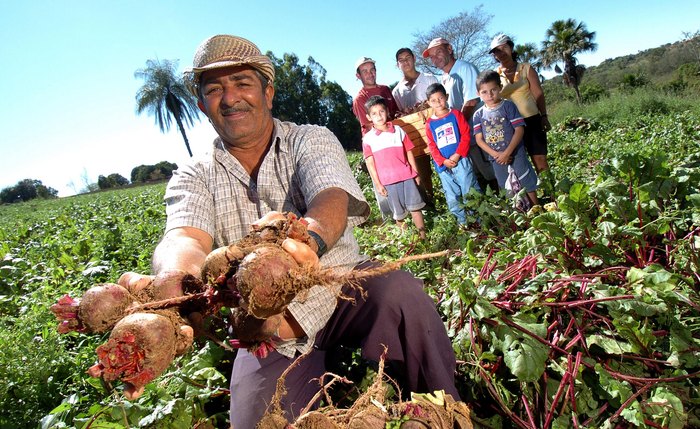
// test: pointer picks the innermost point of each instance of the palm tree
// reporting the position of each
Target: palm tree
(566, 39)
(528, 53)
(165, 96)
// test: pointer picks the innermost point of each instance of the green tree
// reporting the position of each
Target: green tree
(564, 40)
(340, 119)
(297, 90)
(304, 95)
(151, 173)
(165, 96)
(25, 190)
(114, 180)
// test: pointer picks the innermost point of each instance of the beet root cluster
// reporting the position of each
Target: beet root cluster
(148, 322)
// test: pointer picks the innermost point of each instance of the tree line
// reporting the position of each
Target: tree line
(29, 189)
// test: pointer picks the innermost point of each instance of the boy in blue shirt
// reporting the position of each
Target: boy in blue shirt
(499, 130)
(448, 140)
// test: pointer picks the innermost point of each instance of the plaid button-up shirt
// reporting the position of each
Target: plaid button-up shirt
(217, 195)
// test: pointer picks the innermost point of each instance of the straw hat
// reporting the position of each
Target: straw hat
(226, 51)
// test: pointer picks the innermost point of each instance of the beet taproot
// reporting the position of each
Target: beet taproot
(174, 283)
(369, 418)
(254, 276)
(220, 261)
(98, 310)
(273, 421)
(266, 281)
(140, 347)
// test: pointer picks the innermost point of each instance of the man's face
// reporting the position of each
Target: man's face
(406, 62)
(367, 74)
(234, 100)
(440, 56)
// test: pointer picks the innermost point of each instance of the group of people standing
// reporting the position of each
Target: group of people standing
(482, 127)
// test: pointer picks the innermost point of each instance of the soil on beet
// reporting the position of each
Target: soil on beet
(102, 306)
(140, 347)
(267, 282)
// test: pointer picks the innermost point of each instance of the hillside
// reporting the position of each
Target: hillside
(658, 65)
(671, 70)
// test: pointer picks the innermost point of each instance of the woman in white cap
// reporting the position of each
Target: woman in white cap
(522, 86)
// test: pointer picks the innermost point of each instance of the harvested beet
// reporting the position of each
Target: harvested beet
(99, 309)
(273, 421)
(140, 347)
(277, 230)
(370, 410)
(220, 261)
(369, 418)
(174, 283)
(267, 282)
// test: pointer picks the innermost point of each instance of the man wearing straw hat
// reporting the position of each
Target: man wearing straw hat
(261, 166)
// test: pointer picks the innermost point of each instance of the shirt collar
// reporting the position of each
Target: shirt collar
(390, 129)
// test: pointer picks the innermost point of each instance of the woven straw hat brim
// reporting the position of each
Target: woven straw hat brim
(222, 51)
(258, 63)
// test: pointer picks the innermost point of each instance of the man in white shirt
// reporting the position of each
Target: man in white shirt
(410, 91)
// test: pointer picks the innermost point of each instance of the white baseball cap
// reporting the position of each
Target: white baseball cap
(363, 60)
(499, 40)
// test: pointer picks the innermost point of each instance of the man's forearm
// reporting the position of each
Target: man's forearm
(327, 215)
(468, 108)
(182, 249)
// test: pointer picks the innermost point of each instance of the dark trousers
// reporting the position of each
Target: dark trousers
(396, 313)
(483, 168)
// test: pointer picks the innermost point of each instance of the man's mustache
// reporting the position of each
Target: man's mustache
(235, 109)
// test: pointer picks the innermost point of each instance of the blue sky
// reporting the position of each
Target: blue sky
(67, 75)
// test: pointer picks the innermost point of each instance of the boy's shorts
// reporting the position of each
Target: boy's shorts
(535, 138)
(523, 168)
(404, 198)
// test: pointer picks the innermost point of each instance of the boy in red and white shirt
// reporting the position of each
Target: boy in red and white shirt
(387, 152)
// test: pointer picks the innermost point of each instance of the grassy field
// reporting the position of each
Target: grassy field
(583, 315)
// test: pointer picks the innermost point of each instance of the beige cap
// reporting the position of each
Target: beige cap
(363, 60)
(226, 51)
(433, 43)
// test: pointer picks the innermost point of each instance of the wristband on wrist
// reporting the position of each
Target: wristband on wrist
(319, 243)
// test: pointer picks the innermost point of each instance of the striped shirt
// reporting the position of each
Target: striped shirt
(216, 195)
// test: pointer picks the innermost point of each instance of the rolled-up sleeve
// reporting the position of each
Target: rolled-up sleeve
(321, 164)
(189, 201)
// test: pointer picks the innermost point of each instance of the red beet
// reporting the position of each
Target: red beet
(173, 283)
(140, 347)
(99, 309)
(266, 281)
(220, 261)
